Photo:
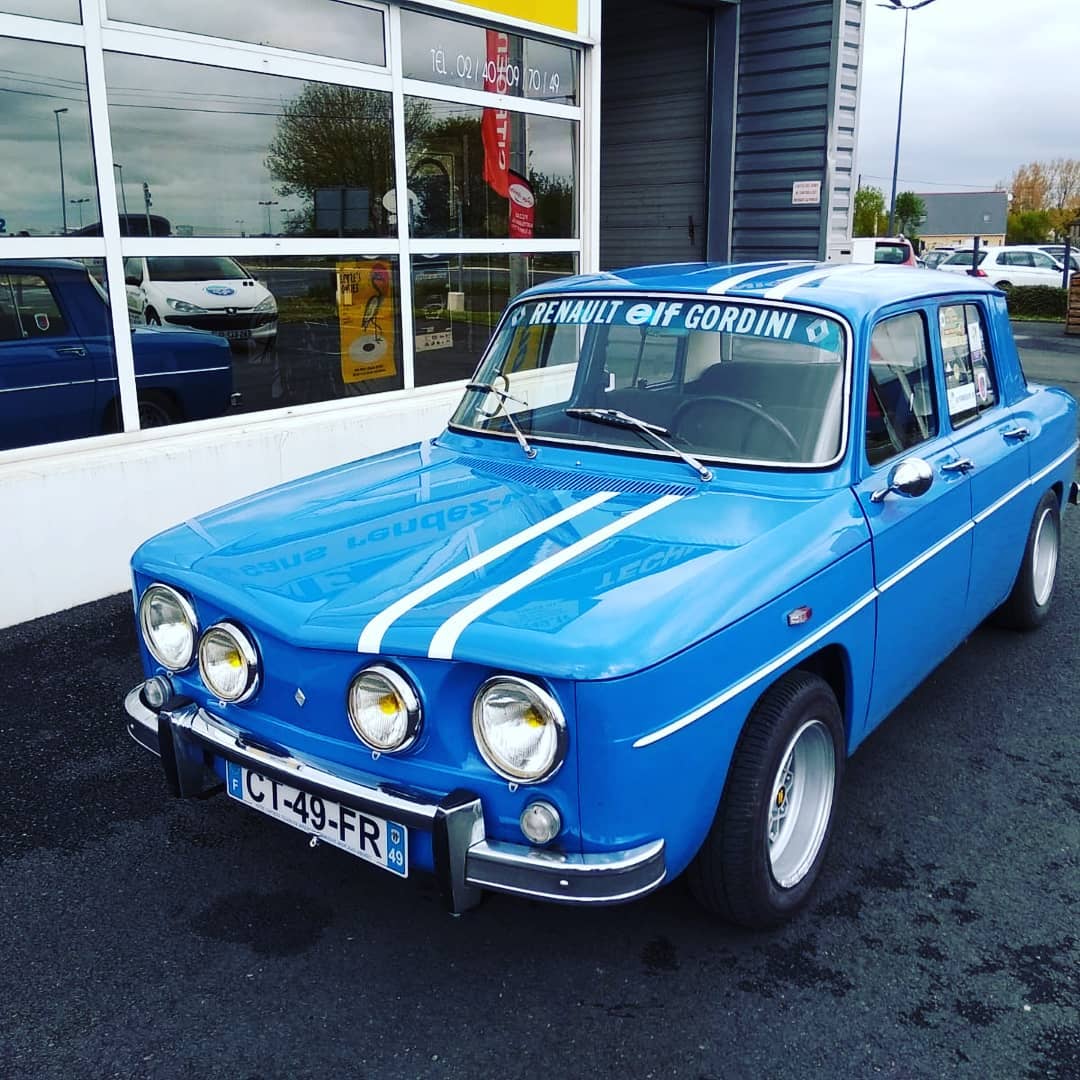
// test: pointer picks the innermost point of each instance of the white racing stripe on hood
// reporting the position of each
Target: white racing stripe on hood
(748, 275)
(785, 288)
(446, 637)
(371, 637)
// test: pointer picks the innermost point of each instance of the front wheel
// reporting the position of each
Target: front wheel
(767, 843)
(1029, 602)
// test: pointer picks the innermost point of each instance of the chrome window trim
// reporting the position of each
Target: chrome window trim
(548, 701)
(652, 452)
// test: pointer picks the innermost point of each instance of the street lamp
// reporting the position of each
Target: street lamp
(907, 9)
(123, 193)
(60, 147)
(240, 221)
(269, 224)
(79, 204)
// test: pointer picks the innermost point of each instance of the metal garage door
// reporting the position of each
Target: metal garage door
(653, 133)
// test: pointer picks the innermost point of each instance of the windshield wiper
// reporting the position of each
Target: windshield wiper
(504, 397)
(654, 431)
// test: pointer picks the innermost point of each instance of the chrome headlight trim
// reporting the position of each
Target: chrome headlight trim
(250, 656)
(409, 698)
(547, 705)
(188, 612)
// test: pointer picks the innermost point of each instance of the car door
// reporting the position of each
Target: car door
(989, 442)
(922, 543)
(47, 380)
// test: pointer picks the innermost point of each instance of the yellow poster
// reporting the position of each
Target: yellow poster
(367, 317)
(561, 14)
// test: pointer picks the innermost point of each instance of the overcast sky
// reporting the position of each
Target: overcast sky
(991, 84)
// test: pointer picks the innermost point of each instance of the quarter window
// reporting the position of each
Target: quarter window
(28, 309)
(900, 411)
(969, 383)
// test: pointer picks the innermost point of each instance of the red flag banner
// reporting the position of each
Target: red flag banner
(495, 125)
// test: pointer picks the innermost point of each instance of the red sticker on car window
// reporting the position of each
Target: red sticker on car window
(42, 323)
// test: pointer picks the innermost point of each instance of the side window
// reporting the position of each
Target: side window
(641, 357)
(133, 271)
(969, 383)
(900, 410)
(9, 320)
(35, 309)
(1042, 261)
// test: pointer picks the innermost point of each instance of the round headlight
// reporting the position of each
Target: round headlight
(168, 627)
(519, 729)
(384, 710)
(228, 662)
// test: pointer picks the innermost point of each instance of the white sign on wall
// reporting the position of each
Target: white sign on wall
(806, 193)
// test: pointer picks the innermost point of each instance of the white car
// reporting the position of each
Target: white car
(1007, 266)
(201, 292)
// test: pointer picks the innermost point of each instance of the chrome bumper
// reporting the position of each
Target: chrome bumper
(466, 862)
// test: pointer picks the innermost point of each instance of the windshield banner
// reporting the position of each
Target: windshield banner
(681, 316)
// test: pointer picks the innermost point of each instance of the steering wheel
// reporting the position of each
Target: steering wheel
(755, 410)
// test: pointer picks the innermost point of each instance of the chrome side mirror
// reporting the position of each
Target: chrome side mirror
(911, 478)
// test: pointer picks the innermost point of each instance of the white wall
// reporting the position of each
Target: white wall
(71, 515)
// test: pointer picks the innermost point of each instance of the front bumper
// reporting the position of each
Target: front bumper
(466, 862)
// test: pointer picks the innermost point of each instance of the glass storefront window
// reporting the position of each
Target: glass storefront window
(466, 54)
(458, 299)
(57, 362)
(49, 184)
(216, 152)
(293, 329)
(336, 28)
(61, 10)
(486, 173)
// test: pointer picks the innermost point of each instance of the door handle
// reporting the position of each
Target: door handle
(71, 350)
(962, 465)
(1016, 433)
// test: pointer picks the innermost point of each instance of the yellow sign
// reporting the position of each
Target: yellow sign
(561, 14)
(367, 317)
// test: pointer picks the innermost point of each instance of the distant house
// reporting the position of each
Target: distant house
(954, 218)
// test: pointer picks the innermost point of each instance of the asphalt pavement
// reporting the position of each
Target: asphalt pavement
(145, 937)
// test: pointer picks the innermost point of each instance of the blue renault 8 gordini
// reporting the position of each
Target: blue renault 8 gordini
(691, 534)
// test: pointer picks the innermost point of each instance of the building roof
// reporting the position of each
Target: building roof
(852, 289)
(965, 213)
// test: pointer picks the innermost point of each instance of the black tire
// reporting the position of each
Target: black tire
(152, 317)
(1033, 591)
(1003, 285)
(157, 410)
(733, 873)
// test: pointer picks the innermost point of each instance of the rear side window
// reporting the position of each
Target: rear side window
(969, 383)
(964, 258)
(890, 253)
(900, 409)
(641, 357)
(28, 309)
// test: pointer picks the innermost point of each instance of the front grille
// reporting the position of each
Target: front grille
(218, 324)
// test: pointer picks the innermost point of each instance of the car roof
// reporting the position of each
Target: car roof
(851, 289)
(15, 265)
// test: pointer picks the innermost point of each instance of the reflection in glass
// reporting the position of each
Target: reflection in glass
(61, 10)
(488, 173)
(466, 54)
(216, 152)
(48, 172)
(458, 299)
(299, 329)
(329, 27)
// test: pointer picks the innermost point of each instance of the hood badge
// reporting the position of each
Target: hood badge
(299, 696)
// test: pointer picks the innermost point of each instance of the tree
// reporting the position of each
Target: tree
(1029, 227)
(1030, 187)
(909, 212)
(869, 212)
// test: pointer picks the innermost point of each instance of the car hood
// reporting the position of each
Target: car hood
(510, 563)
(213, 295)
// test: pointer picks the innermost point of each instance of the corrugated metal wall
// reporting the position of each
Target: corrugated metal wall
(795, 121)
(653, 133)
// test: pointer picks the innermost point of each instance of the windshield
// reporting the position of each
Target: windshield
(745, 383)
(196, 268)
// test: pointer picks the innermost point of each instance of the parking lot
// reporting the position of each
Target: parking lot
(144, 937)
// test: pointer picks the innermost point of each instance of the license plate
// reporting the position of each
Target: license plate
(384, 843)
(237, 335)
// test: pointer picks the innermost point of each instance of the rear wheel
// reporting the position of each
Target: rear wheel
(1002, 284)
(1029, 602)
(157, 410)
(765, 849)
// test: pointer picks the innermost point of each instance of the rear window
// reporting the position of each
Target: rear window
(891, 253)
